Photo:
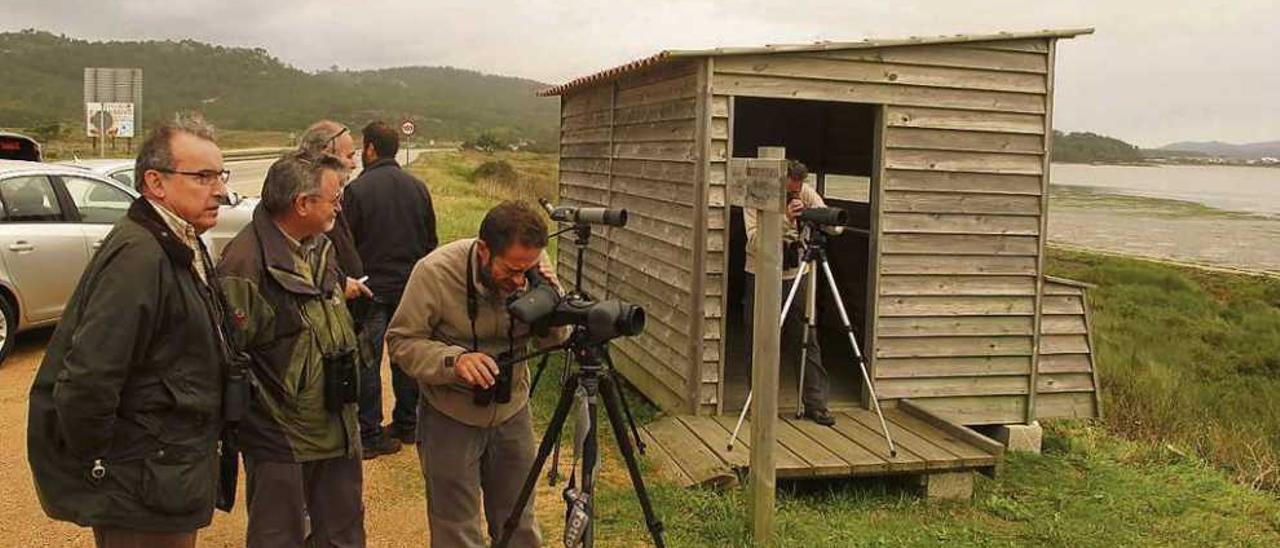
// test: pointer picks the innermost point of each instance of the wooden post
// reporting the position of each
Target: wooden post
(758, 183)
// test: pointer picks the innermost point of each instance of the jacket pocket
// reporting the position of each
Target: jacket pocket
(179, 484)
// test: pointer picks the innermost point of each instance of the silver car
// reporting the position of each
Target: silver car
(54, 217)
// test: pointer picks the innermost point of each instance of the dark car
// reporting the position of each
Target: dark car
(14, 146)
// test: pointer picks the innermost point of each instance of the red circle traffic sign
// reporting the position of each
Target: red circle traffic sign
(407, 127)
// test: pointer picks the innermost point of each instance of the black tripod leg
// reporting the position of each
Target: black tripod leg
(609, 391)
(549, 440)
(626, 407)
(542, 366)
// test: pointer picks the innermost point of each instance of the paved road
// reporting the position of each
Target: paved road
(247, 175)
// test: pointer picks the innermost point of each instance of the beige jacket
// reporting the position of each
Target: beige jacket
(431, 325)
(810, 198)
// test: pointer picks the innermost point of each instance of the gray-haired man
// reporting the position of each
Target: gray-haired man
(126, 407)
(300, 440)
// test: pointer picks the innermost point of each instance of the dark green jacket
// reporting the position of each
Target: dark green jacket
(132, 377)
(288, 315)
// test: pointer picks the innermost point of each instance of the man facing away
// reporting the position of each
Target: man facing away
(126, 406)
(394, 225)
(284, 291)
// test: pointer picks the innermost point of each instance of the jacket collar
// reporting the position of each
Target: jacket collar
(279, 259)
(142, 212)
(382, 162)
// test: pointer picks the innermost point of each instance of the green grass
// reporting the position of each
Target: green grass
(1190, 380)
(1189, 358)
(1088, 489)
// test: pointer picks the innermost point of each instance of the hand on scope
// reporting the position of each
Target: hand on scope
(477, 369)
(794, 207)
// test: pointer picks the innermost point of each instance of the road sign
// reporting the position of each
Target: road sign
(109, 119)
(407, 127)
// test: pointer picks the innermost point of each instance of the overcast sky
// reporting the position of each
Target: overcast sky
(1155, 72)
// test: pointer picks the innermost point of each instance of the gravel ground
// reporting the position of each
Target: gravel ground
(395, 507)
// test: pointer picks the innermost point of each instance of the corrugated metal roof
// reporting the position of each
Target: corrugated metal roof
(665, 55)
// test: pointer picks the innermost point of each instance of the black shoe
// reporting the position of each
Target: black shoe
(406, 435)
(820, 416)
(382, 445)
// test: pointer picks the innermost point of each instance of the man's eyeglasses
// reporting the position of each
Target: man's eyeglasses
(205, 177)
(331, 144)
(335, 201)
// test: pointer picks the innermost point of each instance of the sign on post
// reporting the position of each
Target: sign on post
(109, 119)
(407, 127)
(106, 91)
(759, 183)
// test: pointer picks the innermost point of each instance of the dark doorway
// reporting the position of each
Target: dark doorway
(837, 142)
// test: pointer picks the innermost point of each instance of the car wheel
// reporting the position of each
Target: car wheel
(8, 327)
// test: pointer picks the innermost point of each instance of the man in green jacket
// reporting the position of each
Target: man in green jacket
(126, 407)
(285, 294)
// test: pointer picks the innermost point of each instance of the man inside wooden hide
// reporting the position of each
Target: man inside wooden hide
(800, 196)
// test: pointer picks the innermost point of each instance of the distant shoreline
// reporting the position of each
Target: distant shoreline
(1165, 164)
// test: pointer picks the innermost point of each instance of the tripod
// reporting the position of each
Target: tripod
(594, 380)
(813, 260)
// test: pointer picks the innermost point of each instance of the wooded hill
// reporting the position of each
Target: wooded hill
(242, 88)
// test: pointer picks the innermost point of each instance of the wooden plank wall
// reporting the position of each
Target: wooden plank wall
(631, 144)
(1066, 384)
(963, 184)
(716, 286)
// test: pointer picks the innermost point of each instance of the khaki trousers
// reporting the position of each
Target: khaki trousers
(464, 464)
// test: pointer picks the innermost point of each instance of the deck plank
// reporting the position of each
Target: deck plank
(817, 458)
(860, 460)
(873, 441)
(667, 465)
(699, 462)
(969, 455)
(716, 439)
(934, 456)
(783, 458)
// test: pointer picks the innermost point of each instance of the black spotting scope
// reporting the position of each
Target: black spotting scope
(585, 215)
(827, 216)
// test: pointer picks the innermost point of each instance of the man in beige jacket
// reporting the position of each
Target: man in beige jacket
(451, 324)
(800, 196)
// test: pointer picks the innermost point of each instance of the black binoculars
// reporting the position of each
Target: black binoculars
(500, 392)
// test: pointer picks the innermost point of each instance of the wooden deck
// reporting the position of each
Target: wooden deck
(693, 450)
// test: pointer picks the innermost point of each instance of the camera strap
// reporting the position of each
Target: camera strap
(473, 304)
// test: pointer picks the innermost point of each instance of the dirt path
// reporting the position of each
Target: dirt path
(394, 501)
(1164, 229)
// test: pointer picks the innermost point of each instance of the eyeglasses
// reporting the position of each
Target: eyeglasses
(332, 142)
(336, 201)
(205, 177)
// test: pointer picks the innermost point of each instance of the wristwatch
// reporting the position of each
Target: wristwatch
(449, 361)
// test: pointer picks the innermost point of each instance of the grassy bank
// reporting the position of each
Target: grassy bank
(1188, 358)
(1184, 357)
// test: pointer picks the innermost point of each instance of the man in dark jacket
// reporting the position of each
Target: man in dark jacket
(394, 225)
(284, 291)
(126, 407)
